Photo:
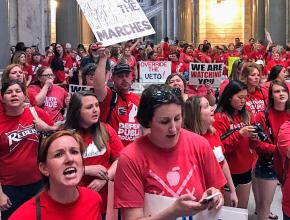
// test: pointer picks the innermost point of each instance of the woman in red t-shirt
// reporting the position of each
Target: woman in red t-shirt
(198, 118)
(19, 176)
(20, 58)
(129, 59)
(167, 162)
(278, 111)
(102, 144)
(61, 165)
(232, 121)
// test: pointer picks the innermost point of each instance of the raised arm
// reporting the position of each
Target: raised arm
(100, 75)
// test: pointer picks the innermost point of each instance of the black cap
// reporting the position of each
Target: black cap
(121, 68)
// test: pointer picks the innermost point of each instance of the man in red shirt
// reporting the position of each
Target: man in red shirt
(118, 105)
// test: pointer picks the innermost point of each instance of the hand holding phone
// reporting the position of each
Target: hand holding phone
(209, 198)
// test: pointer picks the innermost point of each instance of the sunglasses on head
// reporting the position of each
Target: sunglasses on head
(165, 94)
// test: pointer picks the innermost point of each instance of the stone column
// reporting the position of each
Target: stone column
(175, 18)
(288, 21)
(87, 36)
(68, 22)
(186, 20)
(259, 19)
(4, 35)
(164, 18)
(170, 19)
(275, 20)
(32, 22)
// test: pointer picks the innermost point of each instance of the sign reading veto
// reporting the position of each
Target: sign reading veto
(115, 21)
(201, 73)
(154, 71)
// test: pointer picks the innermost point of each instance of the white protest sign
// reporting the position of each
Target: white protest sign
(77, 88)
(154, 71)
(154, 204)
(268, 36)
(201, 73)
(115, 21)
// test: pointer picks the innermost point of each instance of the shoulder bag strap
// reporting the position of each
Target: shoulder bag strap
(269, 126)
(113, 103)
(34, 113)
(37, 202)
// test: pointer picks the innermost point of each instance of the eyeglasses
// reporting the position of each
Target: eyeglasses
(48, 75)
(165, 94)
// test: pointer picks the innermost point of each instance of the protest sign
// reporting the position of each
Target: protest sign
(268, 36)
(77, 88)
(154, 204)
(231, 61)
(201, 73)
(154, 71)
(115, 21)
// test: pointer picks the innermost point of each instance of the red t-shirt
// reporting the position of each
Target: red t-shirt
(178, 67)
(274, 63)
(216, 145)
(123, 116)
(106, 156)
(18, 148)
(54, 101)
(237, 148)
(27, 70)
(256, 102)
(146, 168)
(283, 146)
(166, 50)
(86, 207)
(199, 90)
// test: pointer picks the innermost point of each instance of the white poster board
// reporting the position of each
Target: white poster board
(154, 204)
(154, 72)
(77, 88)
(115, 21)
(201, 73)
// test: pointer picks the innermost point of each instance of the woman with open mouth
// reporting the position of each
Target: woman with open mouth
(19, 176)
(169, 161)
(102, 144)
(61, 165)
(198, 118)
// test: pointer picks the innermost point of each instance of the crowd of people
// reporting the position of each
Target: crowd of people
(58, 151)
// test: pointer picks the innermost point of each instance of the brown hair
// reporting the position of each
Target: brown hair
(16, 57)
(191, 115)
(6, 72)
(45, 144)
(248, 68)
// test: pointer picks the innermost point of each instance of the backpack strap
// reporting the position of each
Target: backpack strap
(113, 103)
(34, 113)
(37, 202)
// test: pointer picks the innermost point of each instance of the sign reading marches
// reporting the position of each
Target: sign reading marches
(154, 71)
(115, 21)
(201, 73)
(77, 88)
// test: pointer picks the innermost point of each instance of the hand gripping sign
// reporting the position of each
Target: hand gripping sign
(201, 73)
(115, 21)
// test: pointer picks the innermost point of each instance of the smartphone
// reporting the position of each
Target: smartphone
(209, 198)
